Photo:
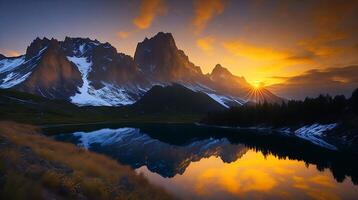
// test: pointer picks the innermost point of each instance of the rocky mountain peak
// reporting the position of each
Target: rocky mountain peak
(160, 58)
(36, 46)
(79, 46)
(220, 71)
(2, 56)
(53, 76)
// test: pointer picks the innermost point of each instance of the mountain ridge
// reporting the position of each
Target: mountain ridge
(112, 78)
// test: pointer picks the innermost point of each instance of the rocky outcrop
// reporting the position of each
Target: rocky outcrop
(54, 76)
(163, 61)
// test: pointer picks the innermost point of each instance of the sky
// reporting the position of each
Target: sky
(281, 44)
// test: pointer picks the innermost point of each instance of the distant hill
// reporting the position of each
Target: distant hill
(176, 98)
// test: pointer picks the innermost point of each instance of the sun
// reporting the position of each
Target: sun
(256, 93)
(257, 85)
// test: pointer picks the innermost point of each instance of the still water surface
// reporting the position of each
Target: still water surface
(194, 162)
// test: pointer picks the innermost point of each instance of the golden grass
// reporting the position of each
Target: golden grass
(95, 176)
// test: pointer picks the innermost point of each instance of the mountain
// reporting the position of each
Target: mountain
(54, 76)
(88, 72)
(176, 98)
(228, 83)
(160, 57)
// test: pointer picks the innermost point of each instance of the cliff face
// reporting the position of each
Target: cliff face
(160, 58)
(54, 76)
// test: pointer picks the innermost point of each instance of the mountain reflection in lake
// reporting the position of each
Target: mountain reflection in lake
(194, 162)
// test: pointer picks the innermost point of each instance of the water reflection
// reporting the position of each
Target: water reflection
(254, 176)
(132, 147)
(200, 162)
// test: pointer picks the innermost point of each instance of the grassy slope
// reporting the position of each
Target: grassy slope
(33, 166)
(27, 108)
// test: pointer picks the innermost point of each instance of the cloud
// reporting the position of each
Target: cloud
(206, 43)
(267, 55)
(148, 10)
(329, 18)
(333, 81)
(123, 34)
(253, 52)
(259, 61)
(206, 10)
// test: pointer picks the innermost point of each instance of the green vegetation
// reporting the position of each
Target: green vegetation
(31, 109)
(33, 166)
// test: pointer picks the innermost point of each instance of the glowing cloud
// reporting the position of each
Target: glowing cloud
(205, 10)
(328, 18)
(205, 43)
(253, 52)
(149, 9)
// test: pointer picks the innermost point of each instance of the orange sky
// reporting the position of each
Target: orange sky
(262, 40)
(266, 41)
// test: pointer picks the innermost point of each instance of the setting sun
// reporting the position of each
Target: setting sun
(258, 84)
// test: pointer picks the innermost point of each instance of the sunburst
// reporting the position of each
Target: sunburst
(255, 94)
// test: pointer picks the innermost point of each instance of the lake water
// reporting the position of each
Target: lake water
(196, 162)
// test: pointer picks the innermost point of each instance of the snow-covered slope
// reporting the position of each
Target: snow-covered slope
(9, 64)
(14, 71)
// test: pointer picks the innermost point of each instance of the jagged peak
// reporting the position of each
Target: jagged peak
(81, 40)
(219, 70)
(36, 45)
(164, 39)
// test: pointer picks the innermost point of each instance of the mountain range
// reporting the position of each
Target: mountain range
(88, 72)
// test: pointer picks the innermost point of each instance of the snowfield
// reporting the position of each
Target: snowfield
(109, 95)
(17, 70)
(9, 64)
(314, 133)
(223, 100)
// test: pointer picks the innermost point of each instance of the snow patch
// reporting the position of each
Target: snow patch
(8, 64)
(103, 136)
(114, 95)
(84, 97)
(108, 95)
(13, 79)
(314, 132)
(81, 48)
(219, 99)
(17, 70)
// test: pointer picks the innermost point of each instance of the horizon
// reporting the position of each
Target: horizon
(259, 41)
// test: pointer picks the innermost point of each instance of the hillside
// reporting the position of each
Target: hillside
(33, 166)
(27, 108)
(175, 99)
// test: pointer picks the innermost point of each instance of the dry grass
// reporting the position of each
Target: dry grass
(92, 175)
